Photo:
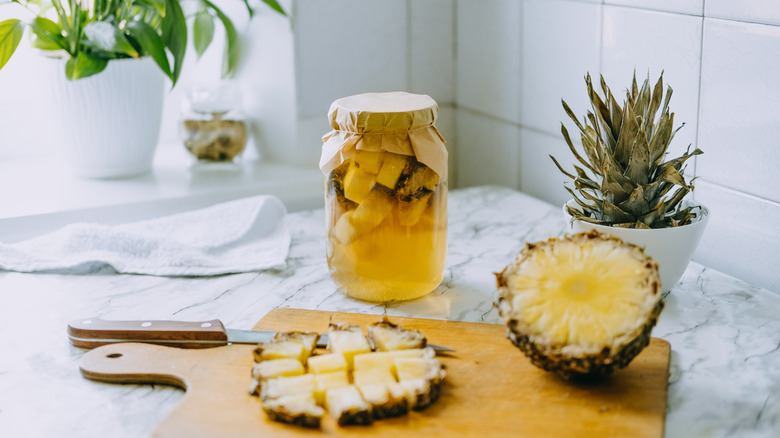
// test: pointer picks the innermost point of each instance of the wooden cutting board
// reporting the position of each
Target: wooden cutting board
(491, 389)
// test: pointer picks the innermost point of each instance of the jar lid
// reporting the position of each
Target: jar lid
(397, 122)
(383, 112)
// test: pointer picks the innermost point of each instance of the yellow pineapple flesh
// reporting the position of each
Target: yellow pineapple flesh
(581, 304)
(352, 383)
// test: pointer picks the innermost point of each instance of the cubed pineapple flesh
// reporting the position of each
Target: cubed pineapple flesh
(580, 304)
(298, 409)
(326, 381)
(392, 167)
(378, 385)
(402, 210)
(357, 183)
(327, 363)
(348, 340)
(369, 161)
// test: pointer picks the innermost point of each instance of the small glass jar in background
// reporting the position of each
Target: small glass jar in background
(213, 126)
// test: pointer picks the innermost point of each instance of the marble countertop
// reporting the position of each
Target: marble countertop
(724, 333)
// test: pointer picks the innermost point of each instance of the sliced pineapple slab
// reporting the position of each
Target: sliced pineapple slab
(385, 360)
(348, 340)
(281, 386)
(386, 336)
(278, 350)
(387, 399)
(327, 363)
(580, 304)
(328, 381)
(347, 406)
(307, 340)
(269, 369)
(352, 383)
(298, 409)
(367, 376)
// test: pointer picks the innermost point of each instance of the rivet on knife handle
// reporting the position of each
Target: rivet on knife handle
(94, 332)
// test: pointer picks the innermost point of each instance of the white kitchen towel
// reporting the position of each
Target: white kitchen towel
(238, 236)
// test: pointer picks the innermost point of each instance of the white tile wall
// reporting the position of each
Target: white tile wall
(488, 151)
(538, 175)
(488, 57)
(432, 49)
(346, 47)
(728, 68)
(740, 107)
(561, 41)
(753, 11)
(742, 236)
(641, 40)
(691, 7)
(446, 125)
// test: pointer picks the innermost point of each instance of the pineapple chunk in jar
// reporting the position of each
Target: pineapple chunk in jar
(386, 216)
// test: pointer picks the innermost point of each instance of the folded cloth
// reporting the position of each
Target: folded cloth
(238, 236)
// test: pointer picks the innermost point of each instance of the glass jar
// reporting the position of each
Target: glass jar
(213, 126)
(385, 196)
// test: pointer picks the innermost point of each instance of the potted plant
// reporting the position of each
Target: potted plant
(115, 55)
(625, 185)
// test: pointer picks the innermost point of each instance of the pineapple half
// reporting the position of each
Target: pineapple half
(357, 381)
(580, 304)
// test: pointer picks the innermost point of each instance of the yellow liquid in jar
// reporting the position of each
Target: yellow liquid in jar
(392, 261)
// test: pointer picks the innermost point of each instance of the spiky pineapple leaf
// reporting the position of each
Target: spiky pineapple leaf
(661, 138)
(615, 213)
(574, 150)
(589, 145)
(655, 102)
(629, 129)
(638, 169)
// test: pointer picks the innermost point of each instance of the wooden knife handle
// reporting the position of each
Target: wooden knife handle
(94, 332)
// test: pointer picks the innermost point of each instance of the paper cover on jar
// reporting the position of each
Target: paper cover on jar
(396, 122)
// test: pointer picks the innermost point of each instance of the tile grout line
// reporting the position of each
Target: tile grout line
(520, 94)
(409, 46)
(698, 103)
(454, 157)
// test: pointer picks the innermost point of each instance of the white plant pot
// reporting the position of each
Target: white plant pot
(672, 248)
(107, 125)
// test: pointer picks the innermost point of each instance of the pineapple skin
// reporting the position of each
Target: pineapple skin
(569, 367)
(551, 358)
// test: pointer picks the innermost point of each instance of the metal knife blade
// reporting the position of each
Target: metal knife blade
(94, 332)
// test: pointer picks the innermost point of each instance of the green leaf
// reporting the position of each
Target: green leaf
(84, 65)
(174, 34)
(48, 35)
(232, 49)
(10, 34)
(157, 5)
(107, 37)
(250, 10)
(275, 6)
(203, 31)
(151, 44)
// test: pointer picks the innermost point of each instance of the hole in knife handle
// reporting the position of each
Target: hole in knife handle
(114, 355)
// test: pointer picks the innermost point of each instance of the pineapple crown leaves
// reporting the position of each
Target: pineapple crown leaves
(621, 177)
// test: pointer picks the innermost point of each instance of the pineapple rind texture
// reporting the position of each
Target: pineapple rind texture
(386, 336)
(383, 384)
(299, 409)
(580, 304)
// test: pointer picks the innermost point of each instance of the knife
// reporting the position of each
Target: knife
(94, 332)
